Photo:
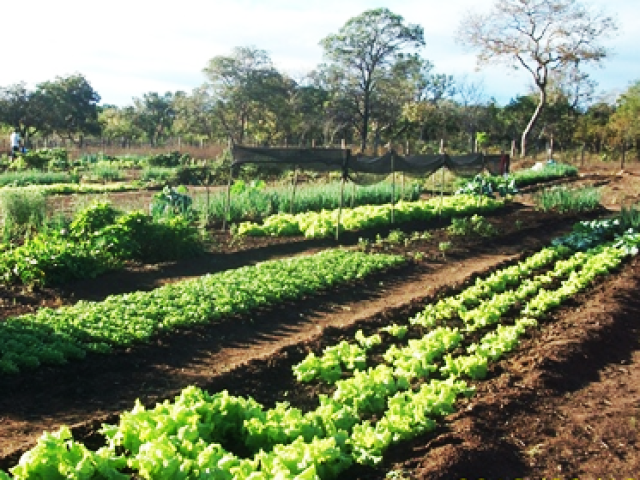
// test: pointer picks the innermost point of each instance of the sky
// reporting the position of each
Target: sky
(126, 48)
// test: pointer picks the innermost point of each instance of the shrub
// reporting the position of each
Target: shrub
(93, 218)
(171, 159)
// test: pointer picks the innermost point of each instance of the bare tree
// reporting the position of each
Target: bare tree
(541, 36)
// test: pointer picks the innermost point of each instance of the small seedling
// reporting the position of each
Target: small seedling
(444, 247)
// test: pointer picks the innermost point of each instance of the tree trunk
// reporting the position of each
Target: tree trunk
(365, 122)
(532, 122)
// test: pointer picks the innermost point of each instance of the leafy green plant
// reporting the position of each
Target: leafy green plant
(93, 218)
(474, 225)
(171, 159)
(444, 247)
(104, 172)
(565, 200)
(396, 237)
(171, 202)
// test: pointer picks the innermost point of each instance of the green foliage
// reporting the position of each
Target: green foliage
(103, 172)
(630, 217)
(176, 438)
(323, 224)
(99, 238)
(171, 202)
(252, 202)
(485, 185)
(22, 211)
(90, 220)
(24, 178)
(171, 159)
(474, 225)
(158, 174)
(52, 158)
(565, 200)
(144, 240)
(101, 325)
(240, 186)
(549, 171)
(482, 138)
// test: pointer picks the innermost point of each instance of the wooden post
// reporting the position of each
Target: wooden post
(393, 188)
(295, 183)
(340, 207)
(513, 149)
(441, 194)
(227, 205)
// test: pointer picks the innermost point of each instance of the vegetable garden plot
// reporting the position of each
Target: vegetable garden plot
(352, 439)
(67, 334)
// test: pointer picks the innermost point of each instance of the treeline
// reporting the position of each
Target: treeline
(373, 89)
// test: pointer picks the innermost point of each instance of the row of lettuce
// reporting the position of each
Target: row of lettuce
(57, 336)
(326, 222)
(383, 388)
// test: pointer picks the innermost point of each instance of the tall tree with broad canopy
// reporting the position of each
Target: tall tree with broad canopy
(364, 54)
(154, 114)
(69, 107)
(243, 84)
(540, 36)
(21, 109)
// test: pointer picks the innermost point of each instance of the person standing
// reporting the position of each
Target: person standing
(14, 140)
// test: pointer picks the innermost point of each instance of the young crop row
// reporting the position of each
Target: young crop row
(414, 382)
(323, 224)
(54, 336)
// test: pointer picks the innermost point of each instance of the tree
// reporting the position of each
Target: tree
(118, 123)
(365, 52)
(196, 115)
(625, 122)
(154, 114)
(540, 36)
(22, 109)
(69, 107)
(243, 85)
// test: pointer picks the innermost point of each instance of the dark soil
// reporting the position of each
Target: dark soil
(565, 405)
